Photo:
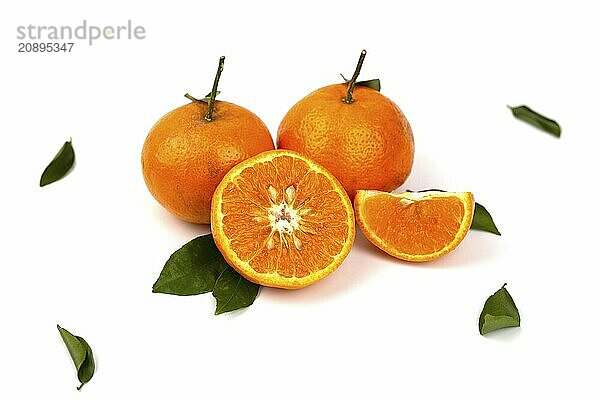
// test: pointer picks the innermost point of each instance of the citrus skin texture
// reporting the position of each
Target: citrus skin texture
(414, 226)
(185, 156)
(282, 220)
(367, 144)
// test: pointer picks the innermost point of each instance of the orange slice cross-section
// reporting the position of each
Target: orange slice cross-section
(281, 220)
(414, 226)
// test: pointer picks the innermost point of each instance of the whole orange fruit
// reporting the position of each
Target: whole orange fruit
(186, 154)
(365, 140)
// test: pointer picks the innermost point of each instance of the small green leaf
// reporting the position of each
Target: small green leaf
(427, 190)
(546, 124)
(233, 291)
(499, 312)
(374, 84)
(198, 267)
(86, 372)
(193, 269)
(207, 97)
(81, 354)
(60, 165)
(482, 220)
(76, 349)
(204, 99)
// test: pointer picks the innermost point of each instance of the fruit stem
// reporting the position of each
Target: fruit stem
(348, 98)
(213, 92)
(189, 96)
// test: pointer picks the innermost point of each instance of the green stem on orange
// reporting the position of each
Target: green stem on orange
(213, 92)
(189, 96)
(348, 98)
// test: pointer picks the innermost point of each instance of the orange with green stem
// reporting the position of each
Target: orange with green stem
(189, 150)
(357, 133)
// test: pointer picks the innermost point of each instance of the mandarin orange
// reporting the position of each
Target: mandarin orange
(357, 133)
(190, 149)
(282, 220)
(412, 226)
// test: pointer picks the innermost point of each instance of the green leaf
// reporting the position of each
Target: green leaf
(374, 84)
(60, 165)
(76, 349)
(193, 269)
(81, 354)
(198, 267)
(499, 312)
(426, 190)
(207, 97)
(482, 220)
(86, 372)
(233, 291)
(546, 124)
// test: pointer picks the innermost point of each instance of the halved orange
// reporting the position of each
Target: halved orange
(414, 226)
(281, 220)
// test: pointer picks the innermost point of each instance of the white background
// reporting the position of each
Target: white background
(84, 252)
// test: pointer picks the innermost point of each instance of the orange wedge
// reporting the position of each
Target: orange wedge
(414, 226)
(281, 220)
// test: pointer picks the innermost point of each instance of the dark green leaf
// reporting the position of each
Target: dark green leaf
(76, 349)
(233, 291)
(426, 190)
(482, 220)
(499, 312)
(193, 269)
(526, 114)
(88, 367)
(81, 354)
(374, 84)
(60, 165)
(198, 267)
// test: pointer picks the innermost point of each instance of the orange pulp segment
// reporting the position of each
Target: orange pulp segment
(414, 226)
(281, 220)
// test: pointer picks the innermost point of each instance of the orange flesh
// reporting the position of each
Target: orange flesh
(283, 218)
(422, 227)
